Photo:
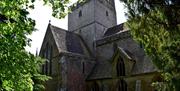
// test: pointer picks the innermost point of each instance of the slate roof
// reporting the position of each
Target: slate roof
(142, 65)
(114, 37)
(114, 30)
(102, 70)
(67, 41)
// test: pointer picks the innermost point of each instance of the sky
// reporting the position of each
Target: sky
(43, 14)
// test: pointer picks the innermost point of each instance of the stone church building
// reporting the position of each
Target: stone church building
(95, 54)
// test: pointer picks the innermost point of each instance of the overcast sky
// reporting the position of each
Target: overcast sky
(42, 15)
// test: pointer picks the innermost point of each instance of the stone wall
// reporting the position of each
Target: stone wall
(135, 83)
(74, 71)
(91, 20)
(105, 13)
(106, 46)
(76, 22)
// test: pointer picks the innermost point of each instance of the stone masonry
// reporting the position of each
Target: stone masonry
(95, 54)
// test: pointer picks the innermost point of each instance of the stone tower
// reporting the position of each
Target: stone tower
(91, 19)
(95, 54)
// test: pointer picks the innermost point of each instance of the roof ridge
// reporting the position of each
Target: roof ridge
(61, 29)
(56, 27)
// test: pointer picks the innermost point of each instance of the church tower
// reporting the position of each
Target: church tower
(91, 19)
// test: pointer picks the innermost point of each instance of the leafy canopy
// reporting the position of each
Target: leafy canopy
(19, 69)
(156, 25)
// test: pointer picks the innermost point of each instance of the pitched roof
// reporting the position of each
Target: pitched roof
(127, 53)
(67, 41)
(102, 69)
(141, 65)
(114, 30)
(114, 37)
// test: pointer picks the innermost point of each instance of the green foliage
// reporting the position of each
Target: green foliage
(156, 25)
(20, 69)
(61, 7)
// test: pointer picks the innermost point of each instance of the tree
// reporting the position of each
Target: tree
(61, 7)
(156, 25)
(19, 69)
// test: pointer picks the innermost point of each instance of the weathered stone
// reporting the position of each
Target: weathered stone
(95, 54)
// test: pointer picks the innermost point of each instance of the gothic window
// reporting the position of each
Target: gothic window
(107, 14)
(47, 57)
(80, 13)
(47, 67)
(50, 60)
(121, 85)
(95, 87)
(120, 67)
(46, 51)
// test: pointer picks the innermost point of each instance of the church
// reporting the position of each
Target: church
(95, 54)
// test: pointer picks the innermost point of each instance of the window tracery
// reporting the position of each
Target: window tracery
(120, 67)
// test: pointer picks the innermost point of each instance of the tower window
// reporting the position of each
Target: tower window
(80, 13)
(107, 14)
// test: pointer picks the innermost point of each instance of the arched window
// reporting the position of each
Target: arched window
(47, 57)
(120, 67)
(80, 13)
(50, 60)
(121, 85)
(107, 14)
